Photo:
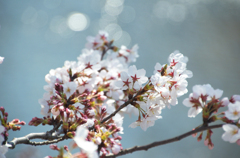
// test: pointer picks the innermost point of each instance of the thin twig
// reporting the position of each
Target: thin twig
(55, 128)
(121, 107)
(158, 143)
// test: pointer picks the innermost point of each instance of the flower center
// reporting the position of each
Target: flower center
(68, 90)
(234, 132)
(235, 113)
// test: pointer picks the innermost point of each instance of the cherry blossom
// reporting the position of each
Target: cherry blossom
(130, 54)
(98, 41)
(198, 99)
(88, 147)
(132, 79)
(145, 122)
(69, 88)
(232, 133)
(233, 112)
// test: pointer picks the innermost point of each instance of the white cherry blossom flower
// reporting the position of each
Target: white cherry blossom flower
(153, 98)
(89, 147)
(137, 75)
(194, 110)
(159, 81)
(118, 120)
(135, 124)
(176, 56)
(158, 67)
(233, 112)
(195, 101)
(96, 42)
(69, 88)
(44, 107)
(154, 110)
(232, 133)
(51, 91)
(148, 122)
(125, 83)
(131, 54)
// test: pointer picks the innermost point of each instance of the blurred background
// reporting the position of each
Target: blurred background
(39, 35)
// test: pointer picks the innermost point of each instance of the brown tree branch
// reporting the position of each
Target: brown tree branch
(158, 143)
(50, 137)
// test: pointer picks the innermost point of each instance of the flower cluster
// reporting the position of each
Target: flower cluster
(165, 86)
(5, 126)
(86, 100)
(83, 93)
(207, 100)
(203, 97)
(232, 129)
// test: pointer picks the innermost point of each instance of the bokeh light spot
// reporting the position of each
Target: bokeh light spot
(77, 22)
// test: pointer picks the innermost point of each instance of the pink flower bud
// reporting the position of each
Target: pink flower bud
(22, 123)
(210, 146)
(103, 109)
(102, 98)
(2, 109)
(16, 121)
(206, 142)
(55, 110)
(118, 138)
(6, 114)
(54, 147)
(65, 148)
(199, 137)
